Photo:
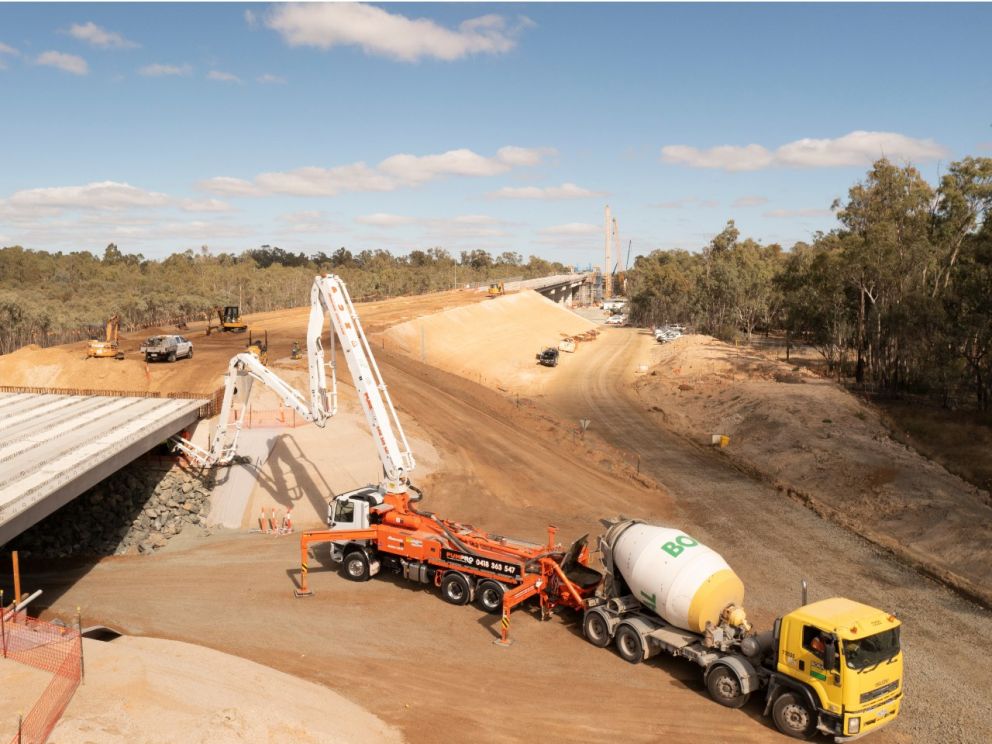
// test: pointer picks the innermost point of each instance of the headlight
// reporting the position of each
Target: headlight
(854, 725)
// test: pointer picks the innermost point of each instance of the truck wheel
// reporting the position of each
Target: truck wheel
(171, 357)
(455, 589)
(595, 629)
(793, 716)
(356, 566)
(725, 688)
(148, 358)
(629, 645)
(489, 596)
(190, 355)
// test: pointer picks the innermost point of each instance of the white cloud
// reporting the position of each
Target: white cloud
(308, 221)
(750, 201)
(4, 49)
(688, 202)
(229, 186)
(392, 173)
(97, 195)
(572, 228)
(251, 19)
(392, 35)
(854, 148)
(383, 219)
(270, 79)
(223, 77)
(565, 191)
(785, 213)
(158, 70)
(206, 205)
(67, 62)
(100, 37)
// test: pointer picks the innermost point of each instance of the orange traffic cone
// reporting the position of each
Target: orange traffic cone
(287, 522)
(261, 521)
(272, 520)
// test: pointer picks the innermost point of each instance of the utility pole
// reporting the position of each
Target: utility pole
(607, 274)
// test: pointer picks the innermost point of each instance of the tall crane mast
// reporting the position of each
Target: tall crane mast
(328, 297)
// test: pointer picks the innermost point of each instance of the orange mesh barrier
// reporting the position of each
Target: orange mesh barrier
(50, 648)
(270, 418)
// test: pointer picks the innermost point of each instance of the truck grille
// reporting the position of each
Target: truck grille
(875, 694)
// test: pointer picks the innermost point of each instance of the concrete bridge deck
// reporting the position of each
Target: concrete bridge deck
(55, 446)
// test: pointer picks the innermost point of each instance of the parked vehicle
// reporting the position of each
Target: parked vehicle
(567, 345)
(169, 348)
(617, 320)
(548, 357)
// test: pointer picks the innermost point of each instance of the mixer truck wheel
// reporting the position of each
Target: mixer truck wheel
(793, 717)
(489, 597)
(356, 566)
(455, 589)
(725, 688)
(629, 645)
(595, 629)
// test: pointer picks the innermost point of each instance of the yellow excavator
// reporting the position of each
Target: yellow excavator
(496, 289)
(109, 347)
(230, 319)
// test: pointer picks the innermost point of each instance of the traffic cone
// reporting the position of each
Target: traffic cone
(287, 522)
(272, 520)
(261, 521)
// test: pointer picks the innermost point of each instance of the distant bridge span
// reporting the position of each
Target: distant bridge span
(561, 288)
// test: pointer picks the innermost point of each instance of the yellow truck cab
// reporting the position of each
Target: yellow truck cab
(838, 669)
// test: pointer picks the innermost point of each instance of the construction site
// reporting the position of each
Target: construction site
(430, 543)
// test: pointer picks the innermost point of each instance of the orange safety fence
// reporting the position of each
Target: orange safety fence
(50, 648)
(267, 418)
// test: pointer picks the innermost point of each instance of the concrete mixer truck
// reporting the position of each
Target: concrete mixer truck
(833, 666)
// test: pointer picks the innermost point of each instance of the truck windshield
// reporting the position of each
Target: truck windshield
(871, 651)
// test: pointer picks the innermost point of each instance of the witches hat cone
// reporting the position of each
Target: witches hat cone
(262, 524)
(272, 520)
(287, 522)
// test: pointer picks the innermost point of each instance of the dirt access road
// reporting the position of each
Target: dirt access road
(773, 542)
(399, 651)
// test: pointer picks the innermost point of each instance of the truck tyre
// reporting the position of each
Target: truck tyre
(171, 357)
(455, 589)
(725, 687)
(148, 358)
(190, 354)
(629, 645)
(489, 596)
(596, 630)
(356, 566)
(793, 717)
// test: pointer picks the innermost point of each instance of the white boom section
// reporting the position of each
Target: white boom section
(242, 371)
(329, 293)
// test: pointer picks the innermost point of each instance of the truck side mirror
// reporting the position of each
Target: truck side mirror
(830, 654)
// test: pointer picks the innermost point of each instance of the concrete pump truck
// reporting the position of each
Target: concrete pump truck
(833, 666)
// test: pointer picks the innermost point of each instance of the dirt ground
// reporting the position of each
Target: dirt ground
(152, 691)
(67, 366)
(495, 342)
(514, 464)
(812, 439)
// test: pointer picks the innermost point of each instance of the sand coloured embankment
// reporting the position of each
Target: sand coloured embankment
(493, 342)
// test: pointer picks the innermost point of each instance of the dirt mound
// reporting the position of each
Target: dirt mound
(815, 440)
(493, 342)
(146, 689)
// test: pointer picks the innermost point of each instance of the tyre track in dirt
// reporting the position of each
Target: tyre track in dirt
(773, 542)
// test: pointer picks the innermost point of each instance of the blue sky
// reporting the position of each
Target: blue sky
(495, 126)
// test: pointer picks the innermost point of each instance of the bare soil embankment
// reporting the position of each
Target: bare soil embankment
(493, 342)
(822, 445)
(144, 690)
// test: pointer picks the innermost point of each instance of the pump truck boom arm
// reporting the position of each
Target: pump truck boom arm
(328, 296)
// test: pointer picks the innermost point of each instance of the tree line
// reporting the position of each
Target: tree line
(898, 298)
(53, 298)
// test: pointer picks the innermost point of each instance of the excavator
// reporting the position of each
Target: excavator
(110, 346)
(230, 319)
